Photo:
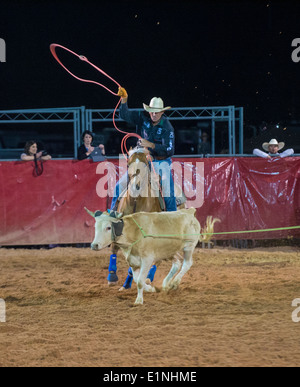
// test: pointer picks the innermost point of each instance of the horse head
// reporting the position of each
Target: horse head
(139, 195)
(138, 162)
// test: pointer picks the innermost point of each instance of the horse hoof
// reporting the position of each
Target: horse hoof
(112, 279)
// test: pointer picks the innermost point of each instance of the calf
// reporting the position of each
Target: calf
(146, 238)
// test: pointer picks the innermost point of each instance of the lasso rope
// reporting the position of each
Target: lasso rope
(53, 47)
(182, 236)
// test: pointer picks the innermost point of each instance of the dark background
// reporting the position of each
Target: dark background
(190, 53)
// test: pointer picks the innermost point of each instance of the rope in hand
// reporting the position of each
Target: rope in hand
(53, 47)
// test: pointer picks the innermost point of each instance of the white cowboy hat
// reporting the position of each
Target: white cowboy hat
(265, 145)
(156, 105)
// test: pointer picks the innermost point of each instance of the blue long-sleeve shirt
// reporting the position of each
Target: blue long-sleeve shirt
(162, 134)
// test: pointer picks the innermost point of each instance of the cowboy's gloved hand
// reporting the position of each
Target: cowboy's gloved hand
(146, 143)
(122, 92)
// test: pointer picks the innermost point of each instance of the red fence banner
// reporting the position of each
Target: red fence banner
(247, 195)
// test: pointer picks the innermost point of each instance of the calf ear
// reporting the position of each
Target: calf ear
(90, 212)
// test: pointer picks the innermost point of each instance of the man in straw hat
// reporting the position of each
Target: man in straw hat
(273, 147)
(158, 136)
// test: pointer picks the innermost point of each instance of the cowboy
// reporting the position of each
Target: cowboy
(273, 147)
(158, 136)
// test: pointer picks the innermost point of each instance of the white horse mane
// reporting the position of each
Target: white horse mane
(137, 149)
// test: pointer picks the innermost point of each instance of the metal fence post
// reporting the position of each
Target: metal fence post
(2, 50)
(2, 311)
(241, 130)
(232, 108)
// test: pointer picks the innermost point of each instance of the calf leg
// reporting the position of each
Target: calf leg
(135, 273)
(140, 279)
(187, 263)
(176, 264)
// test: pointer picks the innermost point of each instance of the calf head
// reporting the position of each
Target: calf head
(108, 226)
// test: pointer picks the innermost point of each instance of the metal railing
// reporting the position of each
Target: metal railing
(228, 114)
(84, 119)
(73, 115)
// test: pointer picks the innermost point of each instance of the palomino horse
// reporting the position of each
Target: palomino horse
(143, 190)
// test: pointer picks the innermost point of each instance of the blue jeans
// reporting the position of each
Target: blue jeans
(163, 169)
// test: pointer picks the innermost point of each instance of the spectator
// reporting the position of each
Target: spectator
(31, 152)
(204, 146)
(86, 148)
(273, 147)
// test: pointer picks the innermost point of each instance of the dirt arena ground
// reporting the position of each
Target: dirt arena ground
(234, 308)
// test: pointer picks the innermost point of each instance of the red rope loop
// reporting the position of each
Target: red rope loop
(53, 47)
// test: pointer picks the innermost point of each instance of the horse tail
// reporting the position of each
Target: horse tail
(208, 229)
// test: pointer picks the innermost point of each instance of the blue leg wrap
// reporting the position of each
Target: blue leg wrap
(152, 273)
(112, 263)
(112, 268)
(129, 278)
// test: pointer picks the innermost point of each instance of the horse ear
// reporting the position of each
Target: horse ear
(90, 212)
(115, 214)
(130, 149)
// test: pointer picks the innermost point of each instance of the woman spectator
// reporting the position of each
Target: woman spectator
(31, 152)
(86, 148)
